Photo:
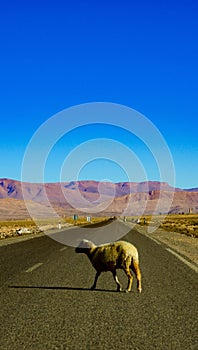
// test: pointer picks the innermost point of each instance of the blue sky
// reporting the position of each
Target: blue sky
(57, 54)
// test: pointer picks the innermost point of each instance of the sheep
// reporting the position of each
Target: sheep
(111, 256)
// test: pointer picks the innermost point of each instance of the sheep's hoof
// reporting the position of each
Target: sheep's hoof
(119, 289)
(92, 287)
(140, 290)
(127, 291)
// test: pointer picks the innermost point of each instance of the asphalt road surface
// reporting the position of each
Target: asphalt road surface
(46, 303)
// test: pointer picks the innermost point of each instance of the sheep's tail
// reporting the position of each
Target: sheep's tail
(135, 256)
(136, 269)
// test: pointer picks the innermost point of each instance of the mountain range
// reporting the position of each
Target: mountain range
(92, 197)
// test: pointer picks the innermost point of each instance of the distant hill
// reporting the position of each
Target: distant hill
(192, 189)
(36, 192)
(110, 198)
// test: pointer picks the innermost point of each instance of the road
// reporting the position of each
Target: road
(46, 303)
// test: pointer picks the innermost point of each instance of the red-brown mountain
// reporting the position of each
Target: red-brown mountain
(36, 191)
(108, 198)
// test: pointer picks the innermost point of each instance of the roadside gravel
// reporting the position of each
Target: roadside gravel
(43, 230)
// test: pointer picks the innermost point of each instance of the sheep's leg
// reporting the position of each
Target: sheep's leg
(130, 279)
(126, 268)
(137, 272)
(119, 287)
(95, 281)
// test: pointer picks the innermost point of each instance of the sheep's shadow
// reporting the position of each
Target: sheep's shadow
(63, 288)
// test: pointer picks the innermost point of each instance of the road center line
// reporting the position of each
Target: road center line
(34, 267)
(192, 266)
(62, 249)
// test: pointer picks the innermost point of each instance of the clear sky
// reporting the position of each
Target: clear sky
(141, 54)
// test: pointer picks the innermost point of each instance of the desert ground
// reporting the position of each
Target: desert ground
(185, 224)
(25, 227)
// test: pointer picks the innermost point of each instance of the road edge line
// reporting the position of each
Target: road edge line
(189, 264)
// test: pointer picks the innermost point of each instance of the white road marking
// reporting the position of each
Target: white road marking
(154, 240)
(34, 267)
(192, 266)
(147, 235)
(62, 249)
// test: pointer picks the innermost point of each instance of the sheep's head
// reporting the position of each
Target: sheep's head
(84, 246)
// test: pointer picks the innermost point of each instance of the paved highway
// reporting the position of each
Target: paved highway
(46, 303)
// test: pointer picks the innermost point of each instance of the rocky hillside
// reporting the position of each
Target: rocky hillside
(84, 196)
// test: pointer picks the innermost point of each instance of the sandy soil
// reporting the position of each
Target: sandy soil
(8, 232)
